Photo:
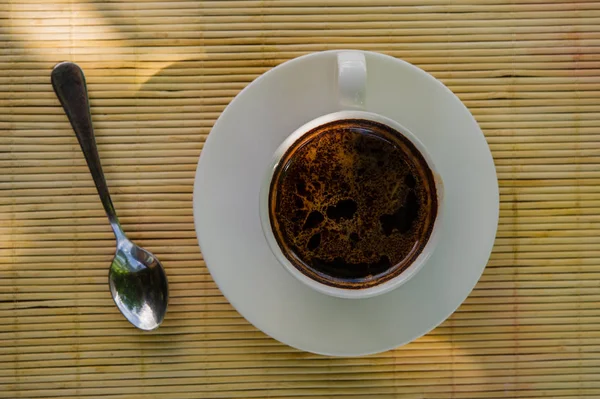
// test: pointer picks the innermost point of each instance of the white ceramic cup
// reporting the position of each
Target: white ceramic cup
(351, 83)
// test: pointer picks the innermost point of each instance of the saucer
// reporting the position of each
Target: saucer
(226, 206)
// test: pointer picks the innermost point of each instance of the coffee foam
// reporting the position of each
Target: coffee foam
(352, 203)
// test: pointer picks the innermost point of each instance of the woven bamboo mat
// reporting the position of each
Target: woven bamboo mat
(159, 73)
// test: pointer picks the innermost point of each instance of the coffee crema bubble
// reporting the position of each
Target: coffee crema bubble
(352, 203)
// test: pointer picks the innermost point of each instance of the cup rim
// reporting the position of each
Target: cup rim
(349, 293)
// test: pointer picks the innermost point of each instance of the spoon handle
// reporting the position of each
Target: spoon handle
(69, 85)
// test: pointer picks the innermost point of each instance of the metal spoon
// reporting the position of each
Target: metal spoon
(138, 283)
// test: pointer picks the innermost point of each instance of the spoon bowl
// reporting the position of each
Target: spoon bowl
(138, 285)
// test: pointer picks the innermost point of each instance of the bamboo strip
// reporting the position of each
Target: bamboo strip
(225, 348)
(433, 4)
(459, 337)
(185, 34)
(352, 387)
(306, 39)
(145, 229)
(273, 8)
(342, 381)
(346, 371)
(91, 52)
(346, 395)
(220, 360)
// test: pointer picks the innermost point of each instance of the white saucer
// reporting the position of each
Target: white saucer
(226, 211)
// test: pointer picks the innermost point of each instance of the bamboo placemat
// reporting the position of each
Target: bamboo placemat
(159, 74)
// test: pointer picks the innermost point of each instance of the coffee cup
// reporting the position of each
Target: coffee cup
(351, 204)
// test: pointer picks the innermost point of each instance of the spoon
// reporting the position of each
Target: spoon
(137, 281)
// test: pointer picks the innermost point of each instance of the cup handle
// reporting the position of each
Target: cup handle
(351, 79)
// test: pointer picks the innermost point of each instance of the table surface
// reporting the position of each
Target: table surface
(159, 74)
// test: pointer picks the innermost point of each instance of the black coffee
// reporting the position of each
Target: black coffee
(352, 203)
